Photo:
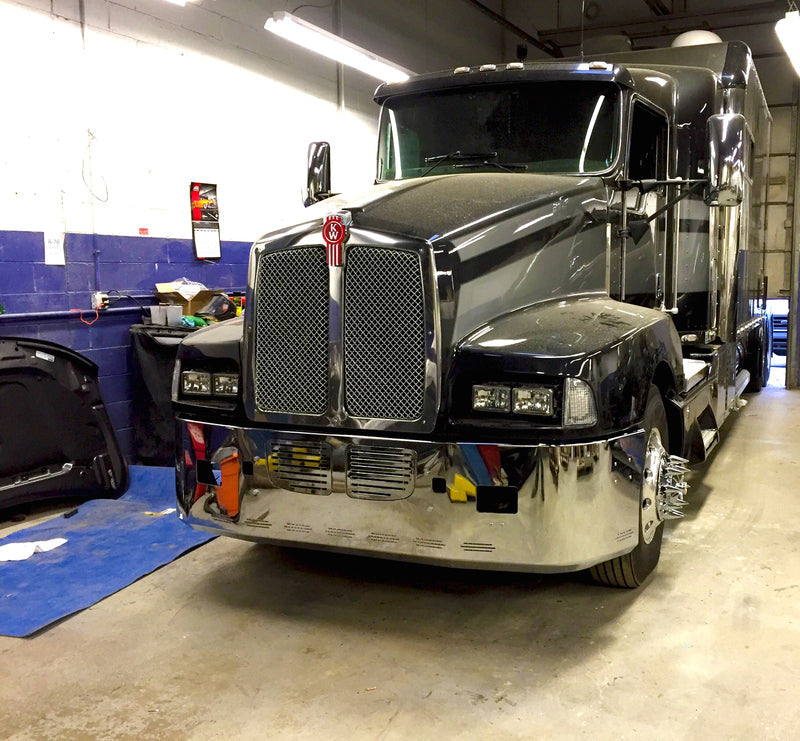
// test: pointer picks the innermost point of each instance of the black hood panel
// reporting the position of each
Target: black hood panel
(55, 435)
(441, 206)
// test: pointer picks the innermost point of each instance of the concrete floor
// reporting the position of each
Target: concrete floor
(241, 641)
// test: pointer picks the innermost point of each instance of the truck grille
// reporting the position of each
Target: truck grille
(384, 334)
(383, 325)
(291, 332)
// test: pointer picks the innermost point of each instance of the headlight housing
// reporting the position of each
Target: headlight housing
(536, 400)
(226, 384)
(491, 398)
(196, 383)
(532, 400)
(577, 408)
(206, 383)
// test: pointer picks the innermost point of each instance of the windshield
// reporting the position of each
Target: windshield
(557, 127)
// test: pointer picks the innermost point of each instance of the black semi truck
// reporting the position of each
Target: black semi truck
(504, 354)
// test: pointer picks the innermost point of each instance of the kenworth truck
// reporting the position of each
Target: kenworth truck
(504, 354)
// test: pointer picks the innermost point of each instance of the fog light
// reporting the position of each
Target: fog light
(196, 382)
(532, 400)
(579, 408)
(491, 398)
(226, 384)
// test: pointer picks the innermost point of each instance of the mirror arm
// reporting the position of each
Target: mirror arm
(626, 230)
(697, 184)
(645, 186)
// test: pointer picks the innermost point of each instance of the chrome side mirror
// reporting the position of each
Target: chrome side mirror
(726, 159)
(319, 172)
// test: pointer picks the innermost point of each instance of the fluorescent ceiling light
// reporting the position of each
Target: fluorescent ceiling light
(182, 3)
(788, 30)
(329, 45)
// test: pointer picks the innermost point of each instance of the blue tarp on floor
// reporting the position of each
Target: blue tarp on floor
(110, 544)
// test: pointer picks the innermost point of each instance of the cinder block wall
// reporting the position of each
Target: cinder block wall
(131, 265)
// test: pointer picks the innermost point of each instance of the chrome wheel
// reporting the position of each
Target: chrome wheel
(661, 498)
(653, 463)
(663, 486)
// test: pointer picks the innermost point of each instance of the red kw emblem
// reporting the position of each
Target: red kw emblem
(334, 233)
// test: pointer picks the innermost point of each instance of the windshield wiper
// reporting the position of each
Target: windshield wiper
(457, 156)
(507, 166)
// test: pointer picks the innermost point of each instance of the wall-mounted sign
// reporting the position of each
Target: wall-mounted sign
(54, 248)
(205, 220)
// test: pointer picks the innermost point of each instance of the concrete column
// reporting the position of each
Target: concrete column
(793, 339)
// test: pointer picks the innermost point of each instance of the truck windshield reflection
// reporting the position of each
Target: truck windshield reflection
(564, 127)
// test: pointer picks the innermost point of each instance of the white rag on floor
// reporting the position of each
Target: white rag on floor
(23, 551)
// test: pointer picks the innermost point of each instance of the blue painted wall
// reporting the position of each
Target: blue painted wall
(98, 262)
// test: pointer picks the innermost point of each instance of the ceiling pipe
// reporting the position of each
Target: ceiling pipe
(658, 7)
(677, 30)
(550, 49)
(553, 34)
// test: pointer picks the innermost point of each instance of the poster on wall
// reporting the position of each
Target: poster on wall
(205, 220)
(54, 248)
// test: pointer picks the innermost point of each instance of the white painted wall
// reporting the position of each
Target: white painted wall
(104, 130)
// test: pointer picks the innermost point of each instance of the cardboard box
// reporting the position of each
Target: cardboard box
(189, 306)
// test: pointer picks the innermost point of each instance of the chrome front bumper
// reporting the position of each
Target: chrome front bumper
(516, 508)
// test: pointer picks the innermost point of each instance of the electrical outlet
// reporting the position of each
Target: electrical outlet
(99, 300)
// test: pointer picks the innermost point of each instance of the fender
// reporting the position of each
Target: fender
(216, 348)
(619, 349)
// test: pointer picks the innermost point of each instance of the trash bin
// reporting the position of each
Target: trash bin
(154, 349)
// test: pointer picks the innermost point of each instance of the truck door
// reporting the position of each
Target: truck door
(644, 272)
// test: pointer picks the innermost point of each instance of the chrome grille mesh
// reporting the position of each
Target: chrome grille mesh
(384, 334)
(291, 332)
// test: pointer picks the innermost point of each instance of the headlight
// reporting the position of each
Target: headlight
(491, 398)
(196, 382)
(579, 408)
(532, 400)
(226, 384)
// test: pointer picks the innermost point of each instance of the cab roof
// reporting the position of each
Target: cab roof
(730, 62)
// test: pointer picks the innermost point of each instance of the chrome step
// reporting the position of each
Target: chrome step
(694, 371)
(742, 379)
(710, 439)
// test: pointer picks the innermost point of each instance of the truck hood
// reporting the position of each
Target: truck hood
(501, 241)
(443, 206)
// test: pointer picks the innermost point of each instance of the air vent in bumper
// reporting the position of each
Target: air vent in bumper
(380, 473)
(300, 466)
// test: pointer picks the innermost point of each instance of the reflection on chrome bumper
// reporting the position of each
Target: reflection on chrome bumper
(520, 508)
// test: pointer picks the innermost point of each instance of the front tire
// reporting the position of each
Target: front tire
(631, 570)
